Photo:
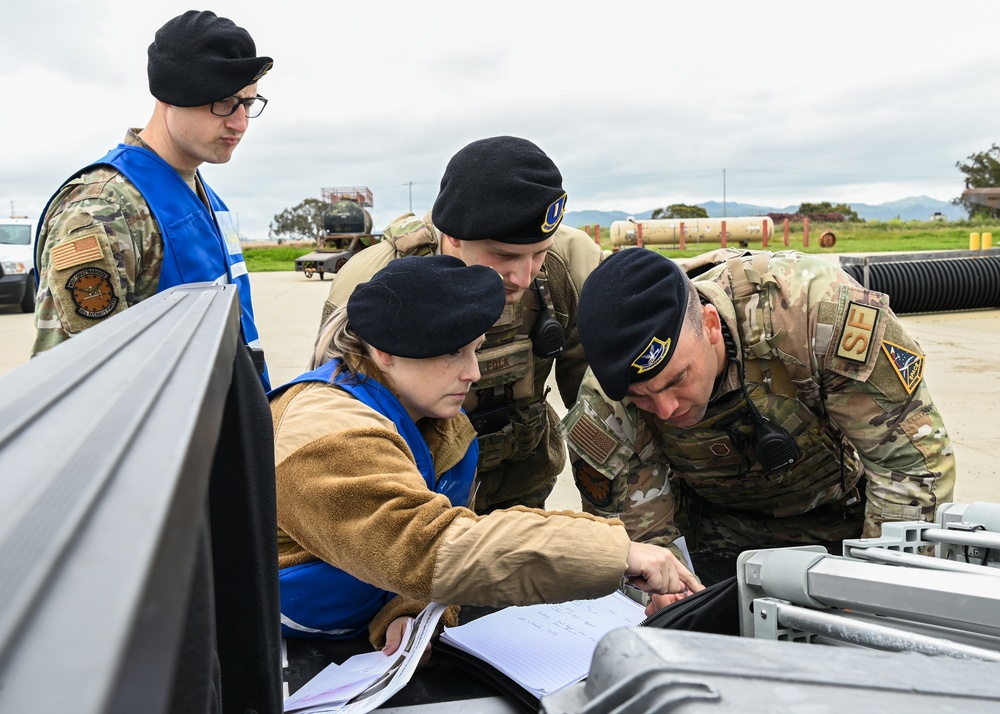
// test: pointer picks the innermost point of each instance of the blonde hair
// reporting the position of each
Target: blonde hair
(338, 341)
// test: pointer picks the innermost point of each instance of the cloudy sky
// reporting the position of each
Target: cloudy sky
(640, 104)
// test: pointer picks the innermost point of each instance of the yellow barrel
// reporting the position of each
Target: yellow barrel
(666, 231)
(987, 241)
(973, 241)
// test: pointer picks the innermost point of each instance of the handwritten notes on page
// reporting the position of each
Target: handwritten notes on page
(545, 647)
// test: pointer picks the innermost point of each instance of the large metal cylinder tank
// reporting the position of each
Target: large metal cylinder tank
(667, 231)
(347, 217)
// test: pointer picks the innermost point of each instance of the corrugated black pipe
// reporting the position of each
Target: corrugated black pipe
(934, 285)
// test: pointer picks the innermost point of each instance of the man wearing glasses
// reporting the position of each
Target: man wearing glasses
(142, 219)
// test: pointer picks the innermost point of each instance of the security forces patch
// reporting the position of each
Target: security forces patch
(554, 214)
(656, 351)
(592, 483)
(858, 329)
(909, 365)
(92, 293)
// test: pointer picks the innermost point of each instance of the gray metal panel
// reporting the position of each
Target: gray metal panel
(642, 669)
(106, 445)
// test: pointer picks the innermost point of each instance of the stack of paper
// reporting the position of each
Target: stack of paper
(365, 681)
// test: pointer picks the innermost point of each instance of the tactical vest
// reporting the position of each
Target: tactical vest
(507, 404)
(708, 454)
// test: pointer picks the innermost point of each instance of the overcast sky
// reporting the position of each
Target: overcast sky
(640, 104)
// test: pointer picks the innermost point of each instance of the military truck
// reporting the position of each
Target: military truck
(348, 231)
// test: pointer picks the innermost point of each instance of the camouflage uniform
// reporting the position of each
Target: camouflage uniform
(521, 454)
(825, 359)
(121, 237)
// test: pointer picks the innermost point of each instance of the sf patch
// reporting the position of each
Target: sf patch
(909, 365)
(858, 331)
(92, 293)
(595, 486)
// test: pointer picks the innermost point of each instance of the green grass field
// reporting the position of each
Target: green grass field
(868, 237)
(282, 257)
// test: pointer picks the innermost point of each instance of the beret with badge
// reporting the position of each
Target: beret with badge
(198, 58)
(631, 312)
(420, 307)
(502, 188)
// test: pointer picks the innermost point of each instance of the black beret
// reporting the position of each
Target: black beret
(422, 307)
(198, 58)
(502, 188)
(631, 311)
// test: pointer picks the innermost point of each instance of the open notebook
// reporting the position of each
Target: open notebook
(542, 648)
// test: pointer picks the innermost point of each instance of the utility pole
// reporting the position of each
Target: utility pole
(723, 193)
(410, 184)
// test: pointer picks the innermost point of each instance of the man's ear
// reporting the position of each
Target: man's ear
(712, 322)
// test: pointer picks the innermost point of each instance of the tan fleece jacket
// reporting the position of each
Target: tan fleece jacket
(349, 493)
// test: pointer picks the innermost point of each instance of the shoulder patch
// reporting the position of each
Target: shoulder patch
(84, 249)
(595, 486)
(857, 332)
(859, 319)
(592, 440)
(92, 293)
(909, 366)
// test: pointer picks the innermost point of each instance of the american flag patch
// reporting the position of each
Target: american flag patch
(80, 250)
(589, 439)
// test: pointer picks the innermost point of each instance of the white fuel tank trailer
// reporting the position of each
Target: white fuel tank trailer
(667, 231)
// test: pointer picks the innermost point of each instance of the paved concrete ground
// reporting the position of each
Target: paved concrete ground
(963, 369)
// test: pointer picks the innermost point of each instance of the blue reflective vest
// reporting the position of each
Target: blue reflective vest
(319, 600)
(199, 245)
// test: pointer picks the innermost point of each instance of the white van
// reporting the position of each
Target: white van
(17, 263)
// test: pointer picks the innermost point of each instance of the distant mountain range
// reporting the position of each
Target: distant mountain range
(915, 208)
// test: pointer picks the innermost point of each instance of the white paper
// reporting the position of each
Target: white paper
(367, 680)
(545, 647)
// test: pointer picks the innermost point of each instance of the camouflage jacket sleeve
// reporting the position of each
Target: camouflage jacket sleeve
(617, 467)
(101, 252)
(871, 375)
(572, 258)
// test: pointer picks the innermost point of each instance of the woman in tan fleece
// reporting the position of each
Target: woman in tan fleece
(376, 463)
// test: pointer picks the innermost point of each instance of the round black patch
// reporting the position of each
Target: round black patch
(92, 293)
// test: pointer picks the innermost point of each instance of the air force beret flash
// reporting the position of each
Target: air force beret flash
(502, 188)
(421, 307)
(631, 313)
(198, 58)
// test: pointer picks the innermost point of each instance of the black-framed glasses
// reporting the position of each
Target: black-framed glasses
(228, 106)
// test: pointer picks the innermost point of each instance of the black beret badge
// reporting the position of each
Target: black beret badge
(92, 293)
(263, 70)
(656, 351)
(554, 214)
